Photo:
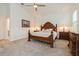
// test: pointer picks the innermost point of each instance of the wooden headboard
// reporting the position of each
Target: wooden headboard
(49, 25)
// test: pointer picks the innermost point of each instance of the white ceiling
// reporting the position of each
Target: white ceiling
(62, 12)
(51, 8)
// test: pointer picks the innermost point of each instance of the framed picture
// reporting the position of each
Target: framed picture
(25, 23)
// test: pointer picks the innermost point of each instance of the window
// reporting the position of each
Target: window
(74, 22)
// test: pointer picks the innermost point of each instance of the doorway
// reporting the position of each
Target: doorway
(8, 28)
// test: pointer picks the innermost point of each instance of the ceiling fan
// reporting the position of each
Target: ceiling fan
(35, 5)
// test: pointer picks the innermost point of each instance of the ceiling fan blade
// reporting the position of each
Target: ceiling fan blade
(29, 5)
(41, 5)
(26, 5)
(22, 3)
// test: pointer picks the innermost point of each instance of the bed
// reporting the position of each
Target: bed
(47, 34)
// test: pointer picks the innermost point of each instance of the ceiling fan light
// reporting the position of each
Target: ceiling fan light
(35, 6)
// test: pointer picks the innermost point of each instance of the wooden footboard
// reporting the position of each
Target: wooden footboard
(45, 39)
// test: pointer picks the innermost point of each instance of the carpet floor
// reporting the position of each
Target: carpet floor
(34, 48)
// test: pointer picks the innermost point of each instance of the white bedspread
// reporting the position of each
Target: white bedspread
(44, 34)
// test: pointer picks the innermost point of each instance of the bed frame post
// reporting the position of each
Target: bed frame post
(41, 27)
(29, 35)
(56, 27)
(51, 44)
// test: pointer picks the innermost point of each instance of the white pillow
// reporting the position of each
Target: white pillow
(47, 30)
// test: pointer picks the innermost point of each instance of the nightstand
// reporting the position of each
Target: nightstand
(64, 35)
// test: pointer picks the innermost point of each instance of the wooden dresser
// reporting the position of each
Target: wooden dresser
(77, 46)
(74, 44)
(64, 35)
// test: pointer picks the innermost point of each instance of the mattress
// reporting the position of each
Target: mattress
(44, 34)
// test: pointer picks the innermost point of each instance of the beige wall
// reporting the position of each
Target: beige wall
(17, 13)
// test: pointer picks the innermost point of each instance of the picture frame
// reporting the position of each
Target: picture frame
(25, 23)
